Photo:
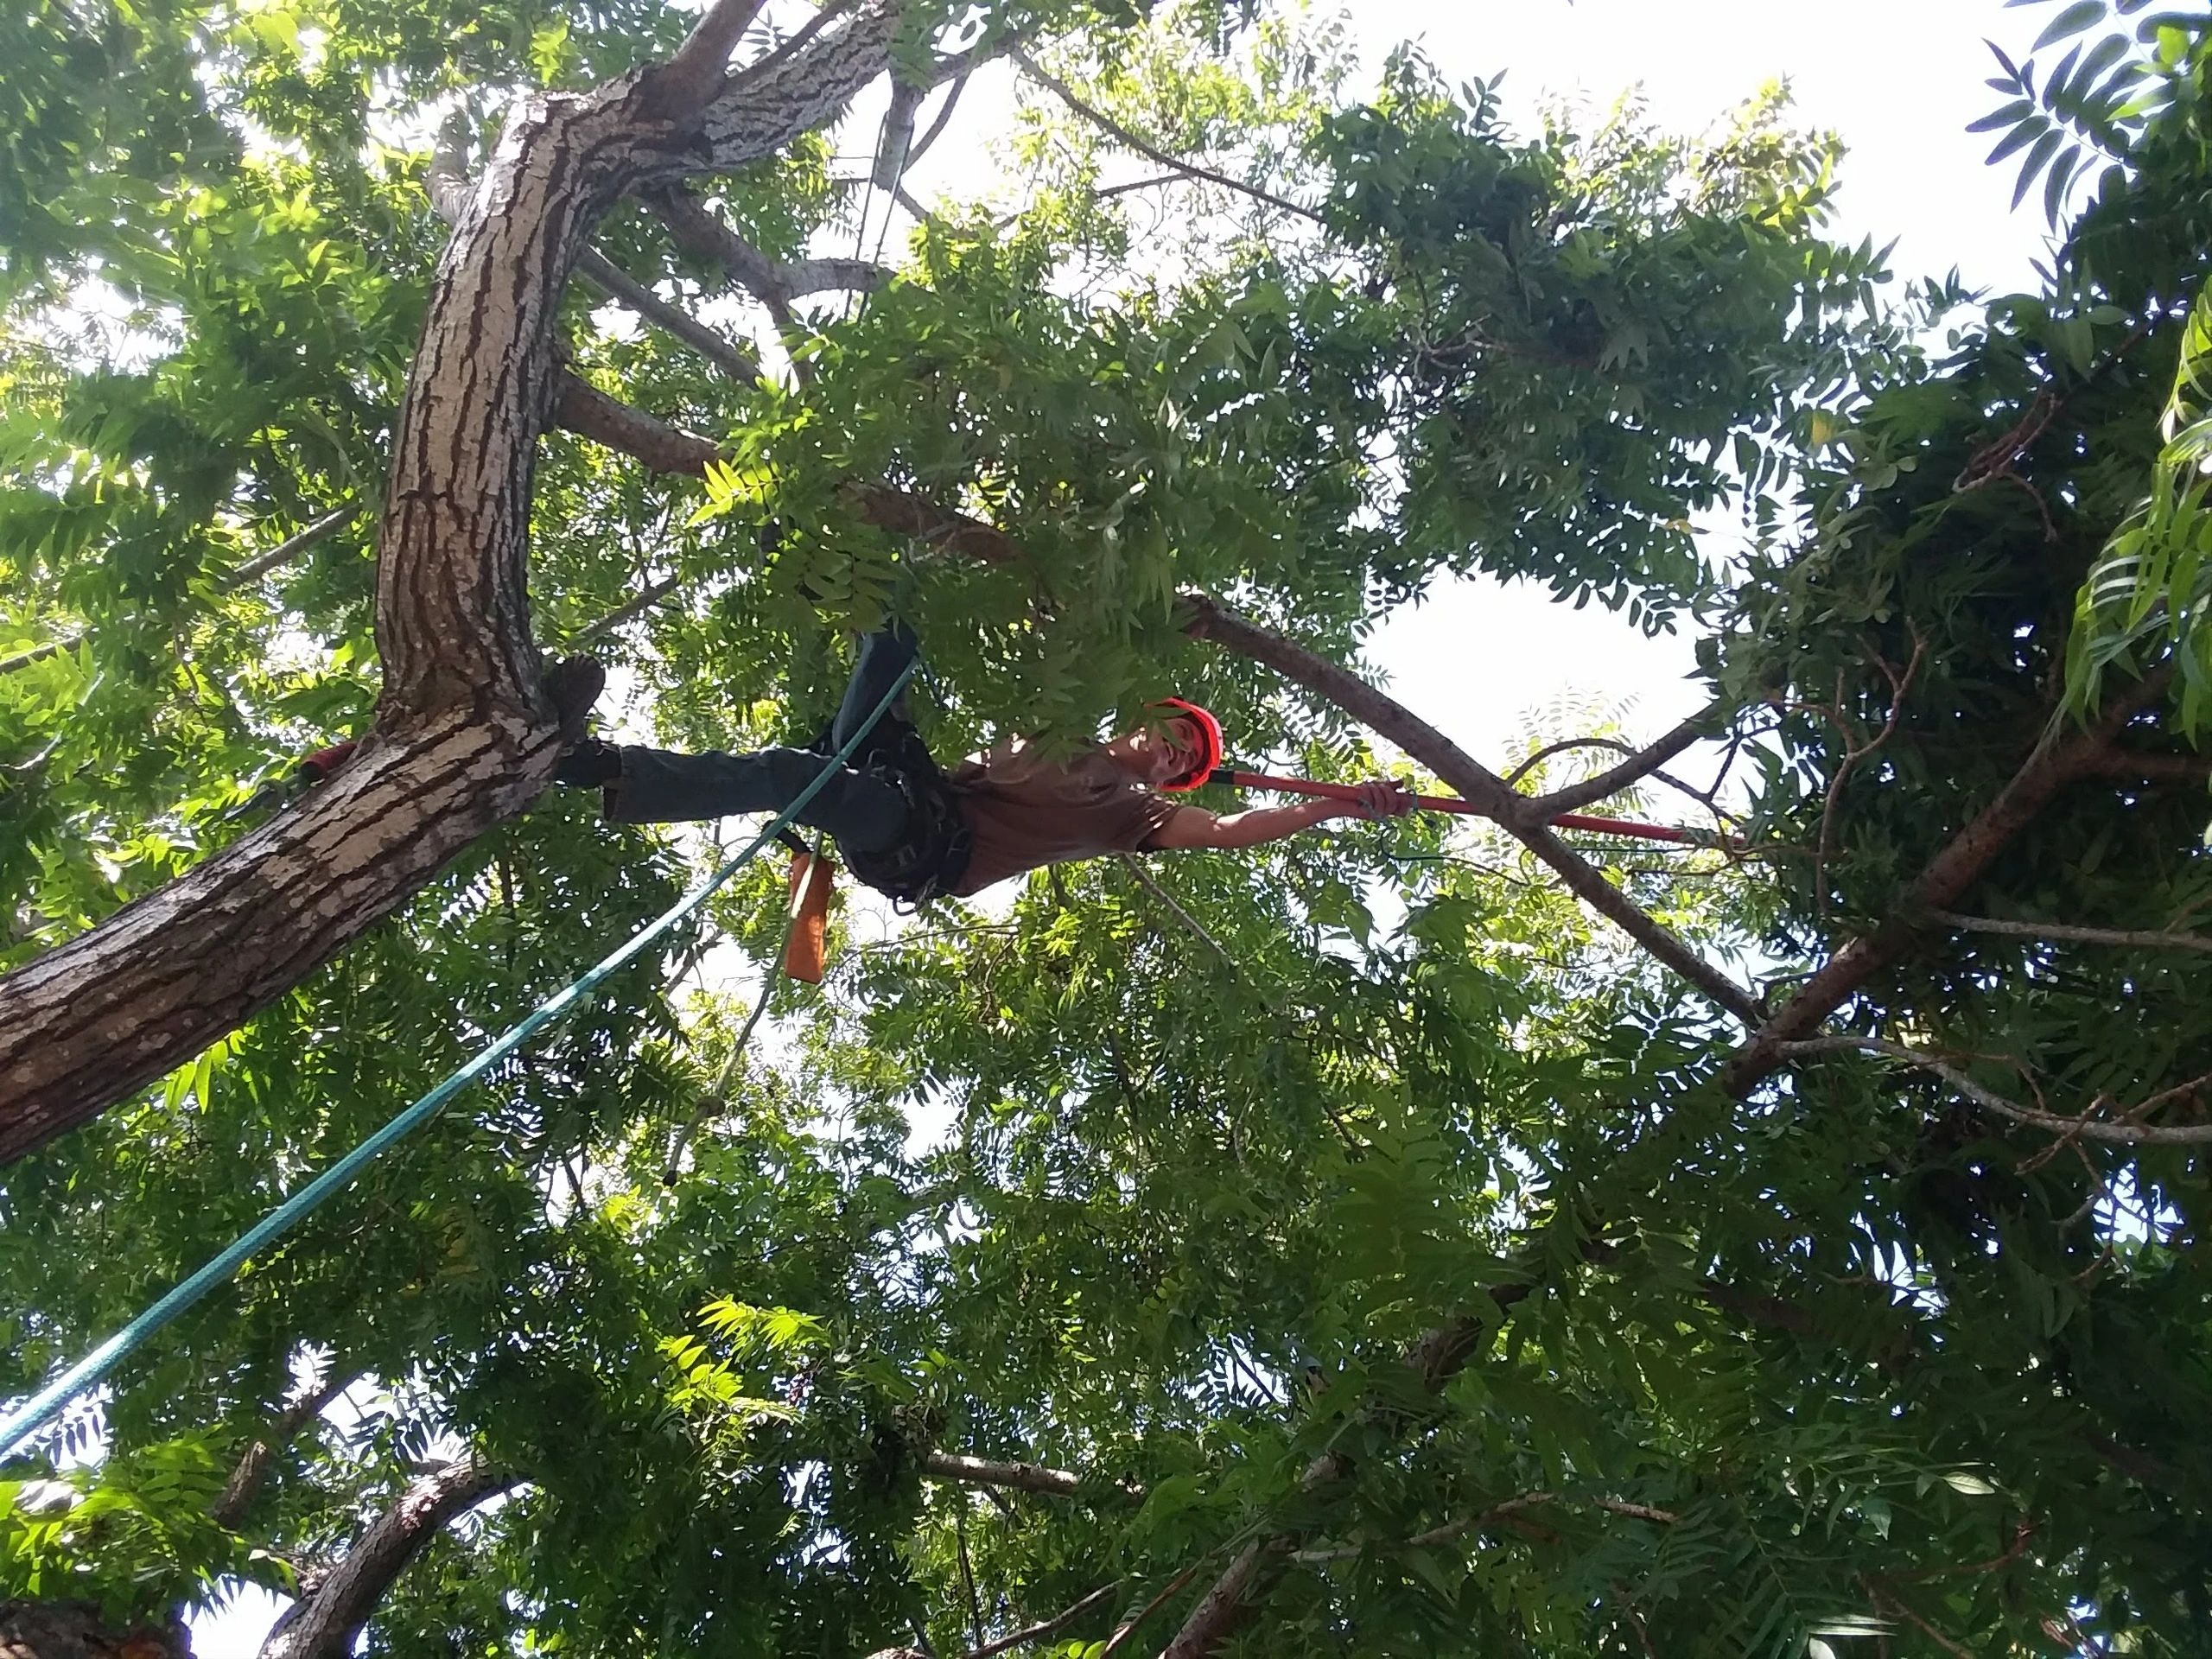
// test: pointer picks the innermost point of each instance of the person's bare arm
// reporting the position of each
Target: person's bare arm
(1192, 828)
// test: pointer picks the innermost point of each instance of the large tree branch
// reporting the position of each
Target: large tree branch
(2051, 766)
(592, 414)
(2161, 766)
(324, 1624)
(698, 231)
(666, 449)
(696, 72)
(451, 619)
(79, 1629)
(467, 732)
(1227, 1600)
(1480, 787)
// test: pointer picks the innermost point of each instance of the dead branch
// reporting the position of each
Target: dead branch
(252, 1472)
(1640, 764)
(2155, 939)
(2123, 1131)
(1037, 1478)
(612, 280)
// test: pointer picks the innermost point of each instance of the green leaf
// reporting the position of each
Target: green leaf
(2081, 15)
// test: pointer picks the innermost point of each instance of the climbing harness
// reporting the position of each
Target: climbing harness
(1237, 780)
(929, 859)
(36, 1412)
(933, 856)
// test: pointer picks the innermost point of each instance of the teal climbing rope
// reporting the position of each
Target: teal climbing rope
(41, 1408)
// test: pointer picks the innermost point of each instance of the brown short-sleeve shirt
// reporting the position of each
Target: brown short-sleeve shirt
(1026, 812)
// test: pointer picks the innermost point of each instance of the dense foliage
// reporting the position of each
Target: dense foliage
(1361, 1229)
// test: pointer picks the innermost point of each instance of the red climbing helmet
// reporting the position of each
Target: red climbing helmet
(1209, 745)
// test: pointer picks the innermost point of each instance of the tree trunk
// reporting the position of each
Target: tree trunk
(464, 735)
(74, 1630)
(323, 1623)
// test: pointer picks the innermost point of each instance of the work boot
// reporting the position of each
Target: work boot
(592, 764)
(574, 685)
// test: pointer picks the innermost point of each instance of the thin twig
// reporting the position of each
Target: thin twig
(622, 615)
(252, 570)
(2073, 934)
(967, 1566)
(1638, 765)
(1565, 745)
(1106, 123)
(1045, 1629)
(1143, 878)
(1855, 753)
(2123, 1133)
(1108, 192)
(1125, 1629)
(1886, 1602)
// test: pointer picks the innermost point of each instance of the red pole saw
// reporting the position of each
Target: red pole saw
(1452, 804)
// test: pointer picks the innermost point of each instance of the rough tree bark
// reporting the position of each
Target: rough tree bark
(465, 736)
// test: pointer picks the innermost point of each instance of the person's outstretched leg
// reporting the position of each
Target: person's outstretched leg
(864, 812)
(883, 659)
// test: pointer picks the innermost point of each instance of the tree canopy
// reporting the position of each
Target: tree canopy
(1446, 1237)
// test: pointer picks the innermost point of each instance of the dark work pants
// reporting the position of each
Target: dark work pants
(865, 813)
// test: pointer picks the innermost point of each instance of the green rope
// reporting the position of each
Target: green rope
(41, 1408)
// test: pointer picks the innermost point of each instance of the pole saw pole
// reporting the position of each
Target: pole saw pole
(1452, 804)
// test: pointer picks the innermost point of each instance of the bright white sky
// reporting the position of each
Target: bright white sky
(1898, 78)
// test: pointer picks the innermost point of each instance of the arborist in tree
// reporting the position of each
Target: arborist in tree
(915, 832)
